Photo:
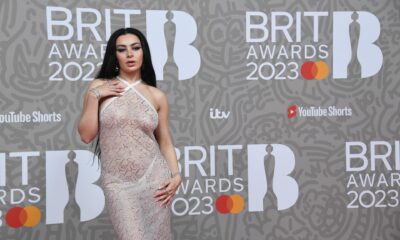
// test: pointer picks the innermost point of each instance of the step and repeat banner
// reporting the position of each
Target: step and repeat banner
(284, 115)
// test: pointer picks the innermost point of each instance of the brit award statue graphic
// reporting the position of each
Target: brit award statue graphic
(72, 210)
(354, 67)
(170, 68)
(270, 199)
(270, 181)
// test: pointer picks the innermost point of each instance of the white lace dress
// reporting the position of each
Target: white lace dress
(132, 167)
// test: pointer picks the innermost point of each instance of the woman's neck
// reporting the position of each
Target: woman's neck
(134, 77)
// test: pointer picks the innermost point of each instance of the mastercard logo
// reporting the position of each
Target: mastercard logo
(314, 70)
(28, 216)
(229, 204)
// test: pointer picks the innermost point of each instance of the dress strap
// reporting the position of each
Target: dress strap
(127, 83)
(107, 102)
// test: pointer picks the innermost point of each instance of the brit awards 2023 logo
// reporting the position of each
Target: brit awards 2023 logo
(373, 174)
(279, 49)
(170, 34)
(71, 185)
(269, 174)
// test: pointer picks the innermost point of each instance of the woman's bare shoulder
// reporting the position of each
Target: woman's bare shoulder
(96, 82)
(157, 93)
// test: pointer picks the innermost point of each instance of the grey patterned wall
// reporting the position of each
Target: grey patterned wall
(257, 163)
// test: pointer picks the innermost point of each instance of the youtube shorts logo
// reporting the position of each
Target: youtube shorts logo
(318, 111)
(291, 112)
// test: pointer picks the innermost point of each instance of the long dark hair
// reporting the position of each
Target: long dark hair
(109, 68)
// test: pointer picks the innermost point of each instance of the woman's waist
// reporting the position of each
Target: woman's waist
(127, 139)
(124, 143)
(132, 170)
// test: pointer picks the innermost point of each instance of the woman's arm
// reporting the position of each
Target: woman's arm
(98, 90)
(163, 136)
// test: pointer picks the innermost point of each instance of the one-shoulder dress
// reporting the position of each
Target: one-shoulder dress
(132, 167)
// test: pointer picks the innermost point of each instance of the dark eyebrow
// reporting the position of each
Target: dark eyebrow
(133, 44)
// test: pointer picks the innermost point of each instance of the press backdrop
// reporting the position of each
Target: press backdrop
(284, 114)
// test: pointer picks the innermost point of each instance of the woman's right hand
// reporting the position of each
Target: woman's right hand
(107, 89)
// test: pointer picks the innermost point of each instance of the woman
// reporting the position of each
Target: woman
(130, 116)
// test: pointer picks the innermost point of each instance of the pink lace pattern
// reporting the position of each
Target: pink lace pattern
(132, 167)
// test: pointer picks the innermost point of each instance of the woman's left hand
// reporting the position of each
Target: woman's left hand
(167, 190)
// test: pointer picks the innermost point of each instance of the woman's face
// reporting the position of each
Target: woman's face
(129, 53)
